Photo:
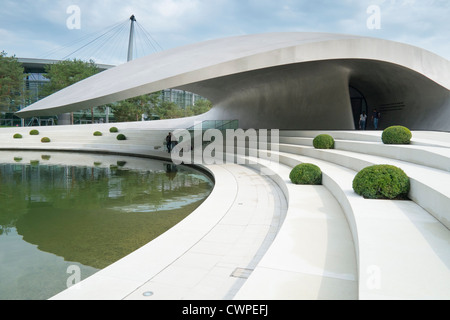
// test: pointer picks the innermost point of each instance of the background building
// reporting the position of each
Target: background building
(182, 98)
(34, 70)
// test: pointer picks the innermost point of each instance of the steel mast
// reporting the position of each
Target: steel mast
(130, 54)
(130, 44)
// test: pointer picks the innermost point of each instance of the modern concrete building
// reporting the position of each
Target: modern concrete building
(259, 236)
(35, 70)
(283, 80)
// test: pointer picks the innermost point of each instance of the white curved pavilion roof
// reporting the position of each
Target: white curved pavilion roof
(222, 57)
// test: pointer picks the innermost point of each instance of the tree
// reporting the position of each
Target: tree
(11, 83)
(66, 73)
(170, 110)
(201, 106)
(133, 109)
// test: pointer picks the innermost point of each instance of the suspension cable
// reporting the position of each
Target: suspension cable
(150, 39)
(80, 40)
(94, 40)
(112, 40)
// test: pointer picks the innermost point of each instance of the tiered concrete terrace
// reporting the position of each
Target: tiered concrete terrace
(259, 236)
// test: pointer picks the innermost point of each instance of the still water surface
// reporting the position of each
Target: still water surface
(64, 215)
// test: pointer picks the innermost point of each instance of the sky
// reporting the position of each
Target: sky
(99, 29)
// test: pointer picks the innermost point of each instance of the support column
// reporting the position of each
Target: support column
(64, 119)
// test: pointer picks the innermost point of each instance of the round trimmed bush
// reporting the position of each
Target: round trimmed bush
(396, 135)
(34, 132)
(306, 173)
(18, 136)
(113, 130)
(121, 137)
(323, 141)
(121, 163)
(45, 140)
(382, 182)
(98, 134)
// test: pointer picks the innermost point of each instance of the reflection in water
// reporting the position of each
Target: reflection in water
(55, 216)
(171, 170)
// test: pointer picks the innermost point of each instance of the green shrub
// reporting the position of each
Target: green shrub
(18, 136)
(382, 182)
(121, 163)
(98, 134)
(323, 141)
(396, 135)
(34, 132)
(45, 140)
(46, 157)
(113, 130)
(121, 137)
(17, 159)
(306, 173)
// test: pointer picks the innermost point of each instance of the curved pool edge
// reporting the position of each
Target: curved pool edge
(125, 276)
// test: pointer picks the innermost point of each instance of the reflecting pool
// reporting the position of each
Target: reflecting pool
(65, 216)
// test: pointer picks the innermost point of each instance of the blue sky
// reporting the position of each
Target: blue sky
(40, 29)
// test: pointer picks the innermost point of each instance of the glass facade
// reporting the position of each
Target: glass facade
(181, 98)
(33, 84)
(34, 71)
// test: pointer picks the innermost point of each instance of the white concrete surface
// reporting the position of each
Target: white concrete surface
(268, 74)
(402, 250)
(221, 57)
(391, 238)
(263, 238)
(427, 166)
(197, 258)
(313, 255)
(217, 265)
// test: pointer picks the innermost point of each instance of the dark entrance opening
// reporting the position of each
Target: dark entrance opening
(359, 105)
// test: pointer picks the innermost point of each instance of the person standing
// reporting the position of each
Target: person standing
(375, 118)
(169, 142)
(362, 121)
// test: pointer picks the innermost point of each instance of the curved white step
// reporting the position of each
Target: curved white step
(430, 188)
(313, 254)
(402, 250)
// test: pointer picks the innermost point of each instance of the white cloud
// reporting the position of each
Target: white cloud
(175, 8)
(178, 22)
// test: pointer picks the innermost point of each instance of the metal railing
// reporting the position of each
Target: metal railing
(215, 124)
